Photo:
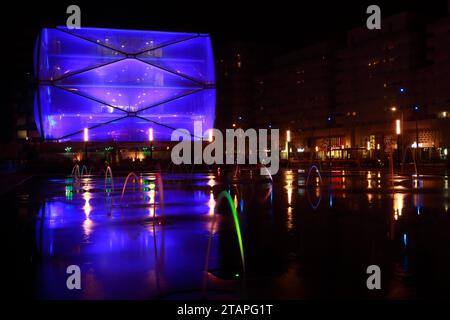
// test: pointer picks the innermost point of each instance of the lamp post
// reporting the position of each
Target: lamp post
(288, 140)
(398, 131)
(150, 138)
(85, 139)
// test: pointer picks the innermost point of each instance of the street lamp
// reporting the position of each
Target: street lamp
(398, 131)
(288, 140)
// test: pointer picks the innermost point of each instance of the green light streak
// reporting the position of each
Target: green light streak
(236, 223)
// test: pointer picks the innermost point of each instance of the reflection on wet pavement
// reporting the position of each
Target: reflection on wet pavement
(309, 234)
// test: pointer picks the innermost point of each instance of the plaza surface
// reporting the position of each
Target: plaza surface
(234, 235)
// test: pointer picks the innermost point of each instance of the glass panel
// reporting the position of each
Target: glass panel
(129, 84)
(64, 113)
(129, 41)
(129, 129)
(182, 112)
(193, 58)
(61, 54)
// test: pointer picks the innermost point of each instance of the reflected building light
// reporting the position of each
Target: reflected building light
(318, 192)
(235, 200)
(289, 195)
(151, 195)
(87, 226)
(369, 180)
(211, 203)
(398, 204)
(87, 206)
(289, 180)
(289, 223)
(418, 202)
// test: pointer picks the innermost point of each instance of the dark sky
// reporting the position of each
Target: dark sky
(282, 24)
(275, 21)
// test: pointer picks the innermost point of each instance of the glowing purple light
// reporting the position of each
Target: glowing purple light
(118, 83)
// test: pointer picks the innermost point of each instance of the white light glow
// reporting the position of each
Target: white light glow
(86, 135)
(150, 134)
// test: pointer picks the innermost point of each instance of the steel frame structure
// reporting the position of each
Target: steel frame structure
(195, 84)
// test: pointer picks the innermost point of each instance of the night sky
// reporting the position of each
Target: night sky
(276, 25)
(283, 24)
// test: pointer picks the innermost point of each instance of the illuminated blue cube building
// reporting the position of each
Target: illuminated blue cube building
(119, 84)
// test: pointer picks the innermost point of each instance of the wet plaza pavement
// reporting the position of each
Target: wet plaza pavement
(306, 234)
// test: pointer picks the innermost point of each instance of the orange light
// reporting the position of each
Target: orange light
(288, 135)
(317, 149)
(210, 136)
(398, 129)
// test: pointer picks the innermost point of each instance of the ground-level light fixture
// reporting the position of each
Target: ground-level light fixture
(150, 134)
(210, 135)
(86, 135)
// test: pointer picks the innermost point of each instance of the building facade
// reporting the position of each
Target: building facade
(373, 93)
